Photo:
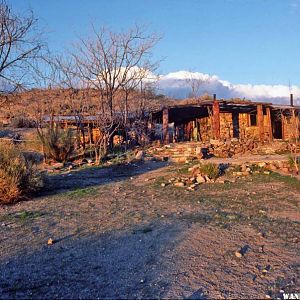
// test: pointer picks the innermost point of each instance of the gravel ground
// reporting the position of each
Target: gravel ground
(118, 234)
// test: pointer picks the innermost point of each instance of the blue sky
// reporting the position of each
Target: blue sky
(242, 41)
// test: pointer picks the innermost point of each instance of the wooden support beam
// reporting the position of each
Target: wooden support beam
(283, 126)
(270, 130)
(216, 119)
(260, 122)
(166, 125)
(295, 124)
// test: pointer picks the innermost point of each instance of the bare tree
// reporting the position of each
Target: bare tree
(194, 83)
(112, 63)
(108, 59)
(20, 47)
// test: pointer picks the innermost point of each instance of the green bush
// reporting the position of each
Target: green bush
(18, 176)
(293, 161)
(211, 170)
(58, 143)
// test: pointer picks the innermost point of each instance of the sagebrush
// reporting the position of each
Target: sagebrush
(211, 170)
(58, 143)
(19, 177)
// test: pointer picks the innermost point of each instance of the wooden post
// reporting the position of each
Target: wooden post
(295, 124)
(260, 121)
(283, 125)
(216, 119)
(292, 99)
(269, 124)
(166, 125)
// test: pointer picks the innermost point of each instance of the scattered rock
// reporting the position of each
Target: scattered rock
(266, 270)
(246, 173)
(238, 254)
(179, 184)
(50, 241)
(261, 164)
(139, 155)
(200, 179)
(57, 166)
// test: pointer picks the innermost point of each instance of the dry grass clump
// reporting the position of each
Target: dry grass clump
(211, 170)
(58, 143)
(18, 176)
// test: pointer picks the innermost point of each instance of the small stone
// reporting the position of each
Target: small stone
(266, 172)
(50, 241)
(207, 179)
(261, 164)
(142, 281)
(266, 270)
(272, 167)
(238, 254)
(139, 155)
(179, 184)
(163, 184)
(200, 179)
(285, 170)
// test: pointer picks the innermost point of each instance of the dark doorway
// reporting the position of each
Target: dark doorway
(235, 124)
(277, 129)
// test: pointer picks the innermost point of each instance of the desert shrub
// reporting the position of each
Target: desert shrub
(22, 122)
(58, 143)
(18, 176)
(293, 161)
(256, 168)
(211, 170)
(233, 169)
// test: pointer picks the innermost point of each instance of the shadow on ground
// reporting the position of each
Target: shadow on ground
(96, 176)
(124, 264)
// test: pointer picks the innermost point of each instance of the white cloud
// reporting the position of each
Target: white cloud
(294, 5)
(176, 85)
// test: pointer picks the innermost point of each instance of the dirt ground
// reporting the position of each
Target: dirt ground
(119, 234)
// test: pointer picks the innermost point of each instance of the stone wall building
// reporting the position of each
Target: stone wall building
(221, 119)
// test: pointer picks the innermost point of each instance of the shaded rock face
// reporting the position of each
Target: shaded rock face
(139, 155)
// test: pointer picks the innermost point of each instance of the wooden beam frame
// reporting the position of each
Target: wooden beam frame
(270, 130)
(166, 125)
(260, 122)
(216, 119)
